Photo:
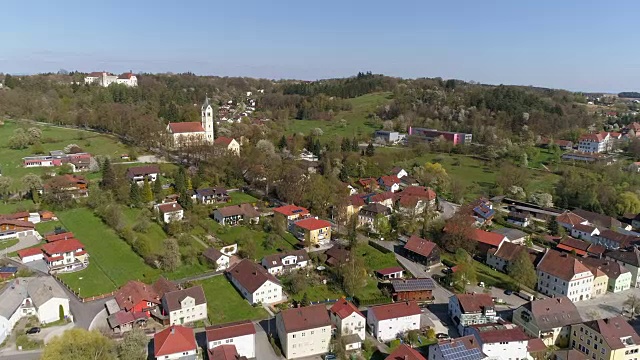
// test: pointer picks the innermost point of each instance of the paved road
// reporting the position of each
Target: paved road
(264, 350)
(83, 313)
(25, 355)
(448, 209)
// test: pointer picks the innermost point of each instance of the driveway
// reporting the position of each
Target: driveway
(447, 209)
(24, 242)
(264, 350)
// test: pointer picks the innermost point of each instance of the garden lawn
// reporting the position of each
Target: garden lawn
(225, 304)
(108, 253)
(47, 227)
(242, 234)
(53, 138)
(16, 206)
(155, 233)
(91, 281)
(370, 291)
(319, 293)
(8, 243)
(375, 259)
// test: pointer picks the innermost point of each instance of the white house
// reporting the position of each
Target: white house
(549, 319)
(568, 220)
(139, 173)
(584, 232)
(30, 254)
(560, 274)
(280, 263)
(399, 172)
(465, 347)
(37, 296)
(595, 143)
(389, 183)
(304, 331)
(349, 322)
(629, 258)
(170, 211)
(185, 306)
(240, 334)
(388, 322)
(500, 341)
(230, 145)
(175, 342)
(470, 309)
(255, 283)
(65, 255)
(217, 257)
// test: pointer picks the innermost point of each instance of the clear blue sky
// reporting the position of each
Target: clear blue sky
(578, 45)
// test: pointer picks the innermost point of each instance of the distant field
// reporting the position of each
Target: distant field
(225, 304)
(53, 138)
(356, 118)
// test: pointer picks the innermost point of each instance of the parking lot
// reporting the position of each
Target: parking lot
(607, 305)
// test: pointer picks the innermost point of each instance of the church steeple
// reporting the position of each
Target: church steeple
(207, 120)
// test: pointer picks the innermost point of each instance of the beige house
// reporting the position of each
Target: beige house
(230, 145)
(185, 306)
(349, 322)
(600, 280)
(548, 319)
(304, 331)
(312, 231)
(607, 339)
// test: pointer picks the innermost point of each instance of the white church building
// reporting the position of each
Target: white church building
(184, 133)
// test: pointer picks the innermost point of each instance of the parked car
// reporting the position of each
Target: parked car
(442, 336)
(446, 271)
(508, 292)
(33, 330)
(330, 356)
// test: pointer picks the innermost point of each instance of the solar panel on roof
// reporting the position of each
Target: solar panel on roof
(413, 284)
(296, 211)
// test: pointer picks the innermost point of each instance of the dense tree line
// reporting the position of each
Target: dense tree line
(361, 84)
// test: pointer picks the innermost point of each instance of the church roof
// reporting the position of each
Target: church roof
(206, 103)
(185, 127)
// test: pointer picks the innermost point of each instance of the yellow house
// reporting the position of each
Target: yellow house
(607, 339)
(312, 231)
(356, 202)
(600, 281)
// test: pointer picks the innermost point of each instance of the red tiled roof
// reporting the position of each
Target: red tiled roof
(498, 333)
(304, 318)
(56, 237)
(169, 207)
(561, 265)
(613, 330)
(175, 339)
(390, 270)
(419, 191)
(223, 141)
(134, 292)
(62, 246)
(186, 127)
(419, 246)
(230, 330)
(568, 248)
(366, 182)
(470, 303)
(343, 308)
(29, 252)
(125, 76)
(224, 352)
(20, 223)
(404, 352)
(14, 216)
(570, 218)
(313, 224)
(599, 137)
(382, 197)
(395, 310)
(389, 180)
(584, 228)
(289, 210)
(356, 200)
(486, 237)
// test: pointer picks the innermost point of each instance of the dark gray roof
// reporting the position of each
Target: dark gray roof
(553, 313)
(375, 209)
(629, 256)
(419, 284)
(511, 234)
(174, 298)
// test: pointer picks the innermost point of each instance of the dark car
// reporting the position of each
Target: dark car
(330, 356)
(447, 271)
(33, 330)
(442, 336)
(508, 292)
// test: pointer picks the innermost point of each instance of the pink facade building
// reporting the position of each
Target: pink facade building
(432, 134)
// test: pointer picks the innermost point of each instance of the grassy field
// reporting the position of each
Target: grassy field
(112, 261)
(375, 259)
(48, 226)
(8, 243)
(225, 304)
(155, 233)
(15, 206)
(53, 138)
(356, 118)
(242, 234)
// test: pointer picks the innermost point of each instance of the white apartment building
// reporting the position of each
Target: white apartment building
(241, 334)
(255, 283)
(500, 341)
(471, 309)
(387, 322)
(304, 331)
(350, 323)
(560, 274)
(185, 306)
(595, 143)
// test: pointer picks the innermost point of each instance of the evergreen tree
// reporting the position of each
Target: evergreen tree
(135, 197)
(147, 194)
(158, 193)
(283, 142)
(316, 148)
(108, 175)
(344, 174)
(185, 201)
(180, 182)
(370, 150)
(345, 146)
(354, 145)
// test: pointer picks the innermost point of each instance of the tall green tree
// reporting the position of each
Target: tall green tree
(370, 151)
(171, 256)
(353, 274)
(80, 344)
(354, 145)
(133, 346)
(282, 143)
(465, 270)
(135, 196)
(108, 175)
(147, 194)
(521, 268)
(180, 181)
(158, 193)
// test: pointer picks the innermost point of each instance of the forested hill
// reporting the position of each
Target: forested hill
(489, 112)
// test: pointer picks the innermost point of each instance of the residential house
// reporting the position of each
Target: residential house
(304, 331)
(39, 296)
(422, 251)
(483, 211)
(595, 143)
(139, 173)
(229, 145)
(390, 321)
(579, 247)
(240, 335)
(175, 342)
(399, 172)
(16, 229)
(356, 202)
(370, 214)
(423, 134)
(405, 352)
(389, 183)
(568, 220)
(394, 272)
(501, 341)
(465, 347)
(608, 339)
(619, 276)
(185, 305)
(62, 186)
(352, 190)
(216, 257)
(413, 200)
(549, 319)
(170, 211)
(280, 263)
(234, 214)
(584, 232)
(7, 272)
(513, 235)
(312, 231)
(386, 198)
(255, 283)
(588, 157)
(65, 256)
(289, 214)
(337, 255)
(419, 289)
(518, 219)
(562, 144)
(368, 184)
(615, 240)
(30, 254)
(471, 309)
(486, 240)
(600, 280)
(563, 275)
(502, 257)
(600, 220)
(58, 236)
(630, 258)
(212, 195)
(349, 322)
